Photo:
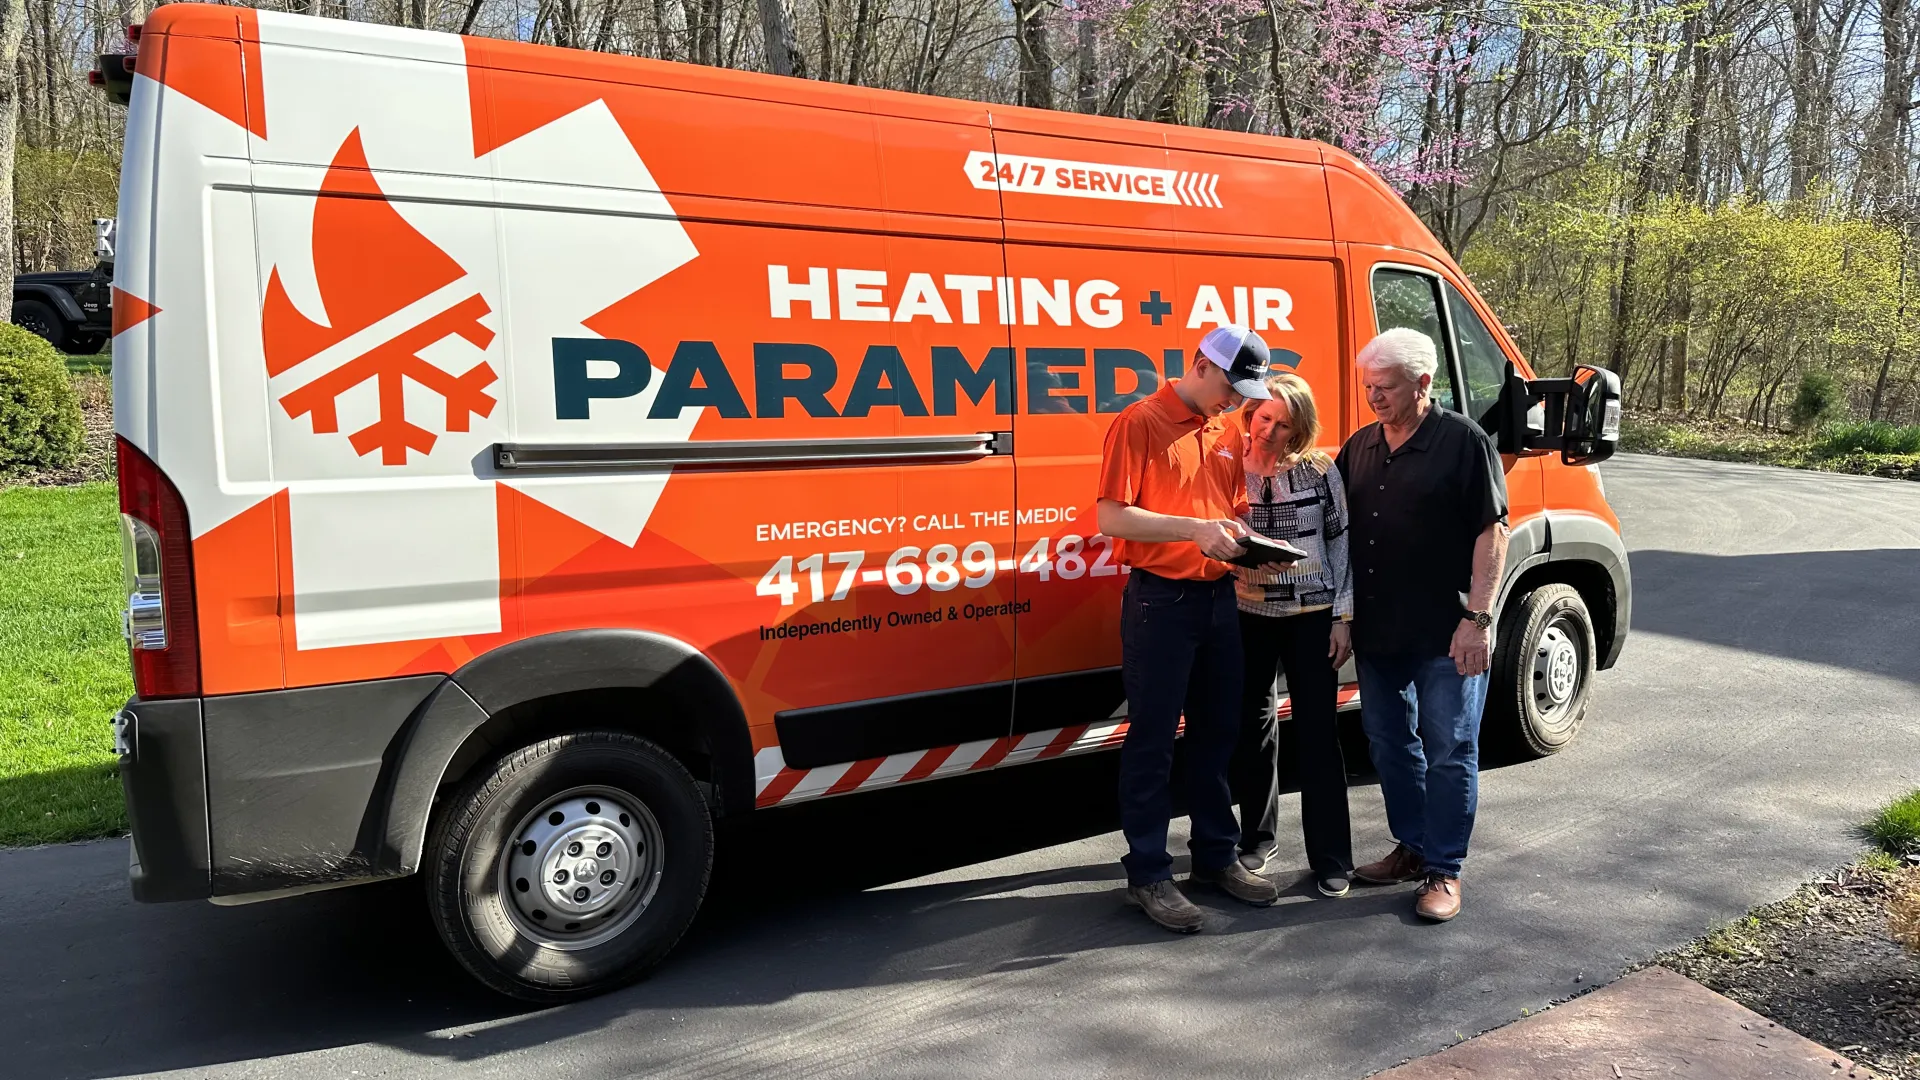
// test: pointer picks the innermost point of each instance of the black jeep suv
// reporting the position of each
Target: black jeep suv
(73, 309)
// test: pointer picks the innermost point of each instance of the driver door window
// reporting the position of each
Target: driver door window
(1483, 367)
(1402, 298)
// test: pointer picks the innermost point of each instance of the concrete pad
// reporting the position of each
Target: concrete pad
(1652, 1023)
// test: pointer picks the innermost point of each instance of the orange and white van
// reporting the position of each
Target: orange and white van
(528, 456)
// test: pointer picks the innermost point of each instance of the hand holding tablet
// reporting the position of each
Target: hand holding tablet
(1259, 551)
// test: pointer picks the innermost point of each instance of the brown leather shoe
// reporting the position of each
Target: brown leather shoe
(1439, 898)
(1399, 865)
(1165, 904)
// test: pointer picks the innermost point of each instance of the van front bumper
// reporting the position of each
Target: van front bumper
(163, 772)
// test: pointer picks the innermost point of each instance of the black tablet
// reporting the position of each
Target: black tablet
(1257, 551)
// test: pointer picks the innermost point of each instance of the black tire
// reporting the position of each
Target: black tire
(41, 319)
(588, 779)
(1542, 674)
(88, 344)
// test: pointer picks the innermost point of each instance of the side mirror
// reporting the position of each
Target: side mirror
(1592, 431)
(1578, 416)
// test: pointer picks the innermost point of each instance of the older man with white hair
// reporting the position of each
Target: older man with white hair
(1428, 503)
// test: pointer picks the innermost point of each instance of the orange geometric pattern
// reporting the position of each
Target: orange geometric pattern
(129, 311)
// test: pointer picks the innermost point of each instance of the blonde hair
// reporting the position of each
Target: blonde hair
(1303, 416)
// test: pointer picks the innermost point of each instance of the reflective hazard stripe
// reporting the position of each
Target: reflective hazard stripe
(779, 785)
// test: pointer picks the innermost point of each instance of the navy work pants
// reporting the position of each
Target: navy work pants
(1180, 649)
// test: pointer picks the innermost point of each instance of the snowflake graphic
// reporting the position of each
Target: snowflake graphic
(370, 264)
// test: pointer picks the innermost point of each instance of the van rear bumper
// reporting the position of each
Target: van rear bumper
(256, 793)
(163, 772)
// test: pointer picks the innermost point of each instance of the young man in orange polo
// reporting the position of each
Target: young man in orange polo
(1170, 482)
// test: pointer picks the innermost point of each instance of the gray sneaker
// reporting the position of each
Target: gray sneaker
(1165, 904)
(1256, 861)
(1240, 883)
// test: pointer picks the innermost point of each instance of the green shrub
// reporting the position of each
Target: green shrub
(39, 412)
(1818, 398)
(1896, 828)
(1861, 437)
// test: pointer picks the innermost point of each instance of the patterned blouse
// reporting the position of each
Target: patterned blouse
(1307, 508)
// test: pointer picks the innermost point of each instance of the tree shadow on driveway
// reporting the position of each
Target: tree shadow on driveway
(1847, 609)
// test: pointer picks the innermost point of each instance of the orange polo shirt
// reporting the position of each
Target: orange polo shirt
(1164, 457)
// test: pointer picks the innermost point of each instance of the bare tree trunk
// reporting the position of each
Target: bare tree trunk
(13, 23)
(50, 118)
(1886, 359)
(662, 32)
(1674, 348)
(824, 9)
(1086, 84)
(1036, 55)
(862, 34)
(1883, 163)
(1801, 131)
(782, 43)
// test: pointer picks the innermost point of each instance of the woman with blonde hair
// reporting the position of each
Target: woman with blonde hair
(1294, 621)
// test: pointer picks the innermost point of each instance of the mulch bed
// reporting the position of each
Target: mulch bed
(1824, 963)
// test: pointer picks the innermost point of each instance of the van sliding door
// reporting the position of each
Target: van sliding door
(1090, 294)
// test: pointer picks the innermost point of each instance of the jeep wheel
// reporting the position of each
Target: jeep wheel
(40, 319)
(571, 866)
(86, 344)
(1542, 671)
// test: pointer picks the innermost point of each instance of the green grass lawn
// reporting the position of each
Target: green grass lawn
(1896, 828)
(100, 363)
(63, 665)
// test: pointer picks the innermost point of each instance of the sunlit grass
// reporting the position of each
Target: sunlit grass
(63, 664)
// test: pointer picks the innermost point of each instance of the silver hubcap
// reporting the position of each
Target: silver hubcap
(1556, 670)
(582, 867)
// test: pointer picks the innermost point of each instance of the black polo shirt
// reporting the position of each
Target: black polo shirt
(1415, 513)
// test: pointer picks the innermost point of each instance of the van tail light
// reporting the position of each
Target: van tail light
(156, 552)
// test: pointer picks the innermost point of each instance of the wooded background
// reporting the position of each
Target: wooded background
(1712, 197)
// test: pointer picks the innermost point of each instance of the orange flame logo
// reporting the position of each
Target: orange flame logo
(370, 264)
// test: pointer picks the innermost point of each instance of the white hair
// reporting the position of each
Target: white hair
(1409, 350)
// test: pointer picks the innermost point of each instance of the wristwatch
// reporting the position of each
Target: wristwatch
(1481, 619)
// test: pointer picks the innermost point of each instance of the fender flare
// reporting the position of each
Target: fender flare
(1529, 544)
(61, 300)
(1588, 538)
(544, 666)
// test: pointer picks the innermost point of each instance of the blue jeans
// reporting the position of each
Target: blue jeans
(1422, 719)
(1180, 651)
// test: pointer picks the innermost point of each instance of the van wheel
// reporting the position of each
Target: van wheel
(570, 867)
(1542, 671)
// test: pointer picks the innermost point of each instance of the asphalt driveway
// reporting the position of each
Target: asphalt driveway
(1769, 697)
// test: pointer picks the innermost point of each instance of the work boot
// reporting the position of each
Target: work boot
(1165, 904)
(1439, 897)
(1402, 865)
(1240, 883)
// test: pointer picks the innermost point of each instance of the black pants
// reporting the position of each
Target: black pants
(1180, 651)
(1297, 645)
